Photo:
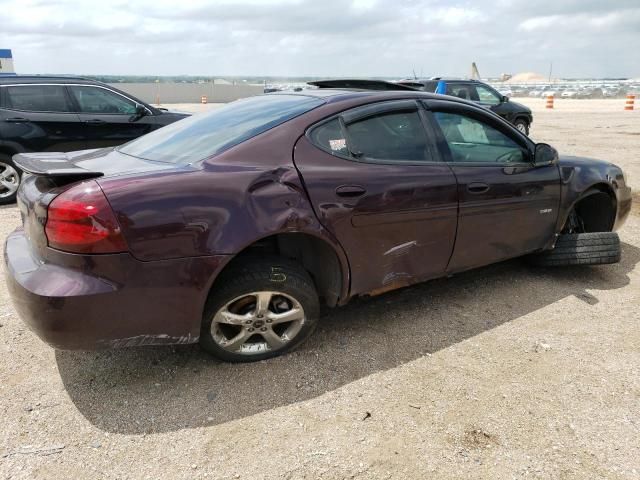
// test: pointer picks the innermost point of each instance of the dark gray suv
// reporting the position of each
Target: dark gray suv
(63, 114)
(476, 91)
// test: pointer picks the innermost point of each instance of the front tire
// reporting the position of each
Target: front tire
(10, 178)
(522, 126)
(259, 308)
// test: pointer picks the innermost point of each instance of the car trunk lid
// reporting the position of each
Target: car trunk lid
(48, 174)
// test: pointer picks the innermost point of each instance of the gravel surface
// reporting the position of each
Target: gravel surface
(503, 372)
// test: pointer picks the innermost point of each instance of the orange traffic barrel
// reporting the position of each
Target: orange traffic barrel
(630, 101)
(203, 99)
(549, 101)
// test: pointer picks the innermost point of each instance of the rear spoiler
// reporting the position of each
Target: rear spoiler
(361, 84)
(408, 83)
(51, 165)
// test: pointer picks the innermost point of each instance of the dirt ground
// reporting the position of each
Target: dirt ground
(503, 372)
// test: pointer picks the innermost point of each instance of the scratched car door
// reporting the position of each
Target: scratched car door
(508, 206)
(377, 183)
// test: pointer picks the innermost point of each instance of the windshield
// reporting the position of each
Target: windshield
(198, 137)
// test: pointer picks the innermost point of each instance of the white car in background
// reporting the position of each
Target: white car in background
(569, 94)
(540, 92)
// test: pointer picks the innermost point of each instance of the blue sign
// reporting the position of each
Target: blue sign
(5, 53)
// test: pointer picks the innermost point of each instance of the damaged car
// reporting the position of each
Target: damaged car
(232, 228)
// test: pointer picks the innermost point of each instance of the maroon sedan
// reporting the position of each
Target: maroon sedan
(232, 227)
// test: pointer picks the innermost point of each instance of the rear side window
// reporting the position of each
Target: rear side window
(330, 137)
(390, 137)
(37, 98)
(101, 101)
(201, 136)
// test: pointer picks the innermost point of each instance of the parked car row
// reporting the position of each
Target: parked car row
(569, 91)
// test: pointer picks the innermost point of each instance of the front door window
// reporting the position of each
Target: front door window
(102, 101)
(473, 141)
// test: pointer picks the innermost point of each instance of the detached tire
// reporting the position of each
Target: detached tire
(597, 248)
(10, 178)
(259, 308)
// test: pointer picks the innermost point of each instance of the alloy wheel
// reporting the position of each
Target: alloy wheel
(9, 180)
(257, 322)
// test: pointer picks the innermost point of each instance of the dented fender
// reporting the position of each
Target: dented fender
(579, 175)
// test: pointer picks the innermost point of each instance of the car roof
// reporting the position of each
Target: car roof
(27, 79)
(335, 95)
(446, 79)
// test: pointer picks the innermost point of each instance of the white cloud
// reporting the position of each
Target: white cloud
(321, 37)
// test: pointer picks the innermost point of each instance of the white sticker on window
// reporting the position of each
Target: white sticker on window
(338, 144)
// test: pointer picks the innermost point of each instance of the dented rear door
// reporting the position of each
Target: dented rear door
(392, 205)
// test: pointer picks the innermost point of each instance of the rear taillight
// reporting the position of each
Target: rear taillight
(80, 220)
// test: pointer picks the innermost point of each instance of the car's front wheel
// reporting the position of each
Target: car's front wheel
(258, 309)
(522, 125)
(10, 176)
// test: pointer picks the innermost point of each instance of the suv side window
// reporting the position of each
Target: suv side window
(389, 137)
(488, 96)
(472, 141)
(37, 98)
(465, 91)
(101, 101)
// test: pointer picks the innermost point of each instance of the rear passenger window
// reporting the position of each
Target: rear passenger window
(37, 98)
(329, 137)
(390, 137)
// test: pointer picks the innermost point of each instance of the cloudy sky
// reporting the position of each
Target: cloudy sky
(583, 38)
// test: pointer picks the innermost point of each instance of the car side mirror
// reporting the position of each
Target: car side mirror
(545, 155)
(504, 99)
(141, 111)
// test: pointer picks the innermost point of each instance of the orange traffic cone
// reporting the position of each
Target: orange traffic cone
(549, 101)
(630, 100)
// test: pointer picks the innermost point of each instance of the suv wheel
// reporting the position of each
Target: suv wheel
(522, 125)
(10, 176)
(261, 309)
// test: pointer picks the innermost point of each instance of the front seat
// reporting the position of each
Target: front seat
(463, 93)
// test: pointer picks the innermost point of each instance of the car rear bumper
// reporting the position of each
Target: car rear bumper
(107, 301)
